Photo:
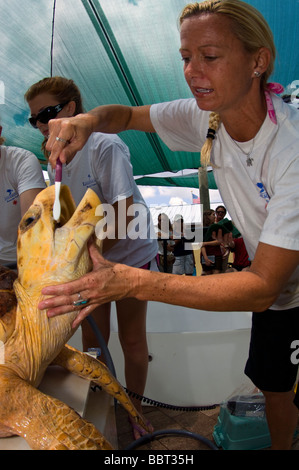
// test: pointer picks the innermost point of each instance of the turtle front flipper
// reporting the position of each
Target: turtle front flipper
(87, 367)
(44, 422)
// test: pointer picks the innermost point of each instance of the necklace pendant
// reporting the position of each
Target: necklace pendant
(249, 161)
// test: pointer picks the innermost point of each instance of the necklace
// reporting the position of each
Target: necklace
(249, 159)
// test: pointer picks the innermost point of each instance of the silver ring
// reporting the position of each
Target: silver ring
(59, 139)
(80, 301)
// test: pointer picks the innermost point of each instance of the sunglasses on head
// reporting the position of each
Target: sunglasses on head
(46, 114)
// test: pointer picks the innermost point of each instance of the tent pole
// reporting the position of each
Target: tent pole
(204, 188)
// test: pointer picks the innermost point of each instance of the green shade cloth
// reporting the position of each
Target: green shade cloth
(117, 51)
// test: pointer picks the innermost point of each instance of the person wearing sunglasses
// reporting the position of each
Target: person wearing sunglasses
(44, 116)
(220, 213)
(21, 179)
(41, 114)
(103, 164)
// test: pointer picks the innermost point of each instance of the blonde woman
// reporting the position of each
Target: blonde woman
(228, 54)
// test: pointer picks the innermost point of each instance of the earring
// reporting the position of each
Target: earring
(257, 74)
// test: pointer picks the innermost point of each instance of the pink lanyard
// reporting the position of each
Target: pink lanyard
(275, 88)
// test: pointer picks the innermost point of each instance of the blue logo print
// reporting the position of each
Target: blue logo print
(263, 192)
(12, 195)
(90, 182)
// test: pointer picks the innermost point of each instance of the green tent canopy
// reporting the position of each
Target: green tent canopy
(182, 181)
(117, 51)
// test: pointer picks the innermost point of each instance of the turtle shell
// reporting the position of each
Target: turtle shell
(8, 299)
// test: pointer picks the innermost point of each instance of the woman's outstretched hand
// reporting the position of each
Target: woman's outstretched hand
(67, 136)
(104, 283)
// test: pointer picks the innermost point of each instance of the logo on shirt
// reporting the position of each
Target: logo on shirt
(12, 195)
(90, 182)
(263, 193)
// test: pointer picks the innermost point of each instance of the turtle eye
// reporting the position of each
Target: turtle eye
(28, 221)
(30, 218)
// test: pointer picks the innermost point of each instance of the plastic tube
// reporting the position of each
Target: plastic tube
(166, 432)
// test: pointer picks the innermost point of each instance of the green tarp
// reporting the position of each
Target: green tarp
(117, 51)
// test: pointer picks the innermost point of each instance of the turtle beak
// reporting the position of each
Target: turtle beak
(72, 237)
(68, 208)
(47, 248)
(83, 219)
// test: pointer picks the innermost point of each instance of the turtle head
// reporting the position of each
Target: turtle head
(49, 252)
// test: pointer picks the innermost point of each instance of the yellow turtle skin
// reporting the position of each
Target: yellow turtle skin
(48, 254)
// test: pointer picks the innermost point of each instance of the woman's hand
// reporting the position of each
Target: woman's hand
(101, 285)
(208, 262)
(67, 136)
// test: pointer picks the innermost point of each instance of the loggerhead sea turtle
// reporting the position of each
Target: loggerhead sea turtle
(48, 254)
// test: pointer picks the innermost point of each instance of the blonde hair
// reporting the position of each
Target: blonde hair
(205, 154)
(251, 28)
(63, 89)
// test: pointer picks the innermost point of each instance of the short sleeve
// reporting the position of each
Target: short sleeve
(29, 173)
(281, 227)
(112, 168)
(180, 124)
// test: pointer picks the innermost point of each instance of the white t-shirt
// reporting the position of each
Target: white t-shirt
(104, 165)
(20, 171)
(262, 199)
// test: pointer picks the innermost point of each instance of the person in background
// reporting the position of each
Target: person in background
(220, 213)
(220, 218)
(211, 253)
(241, 258)
(208, 218)
(250, 136)
(21, 179)
(103, 164)
(165, 237)
(184, 257)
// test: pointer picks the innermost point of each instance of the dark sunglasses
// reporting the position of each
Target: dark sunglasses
(46, 114)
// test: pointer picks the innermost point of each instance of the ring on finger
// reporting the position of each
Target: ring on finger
(60, 139)
(80, 301)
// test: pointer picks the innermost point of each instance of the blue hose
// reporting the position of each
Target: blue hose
(177, 432)
(106, 353)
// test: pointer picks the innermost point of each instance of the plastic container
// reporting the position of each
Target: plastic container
(252, 406)
(241, 432)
